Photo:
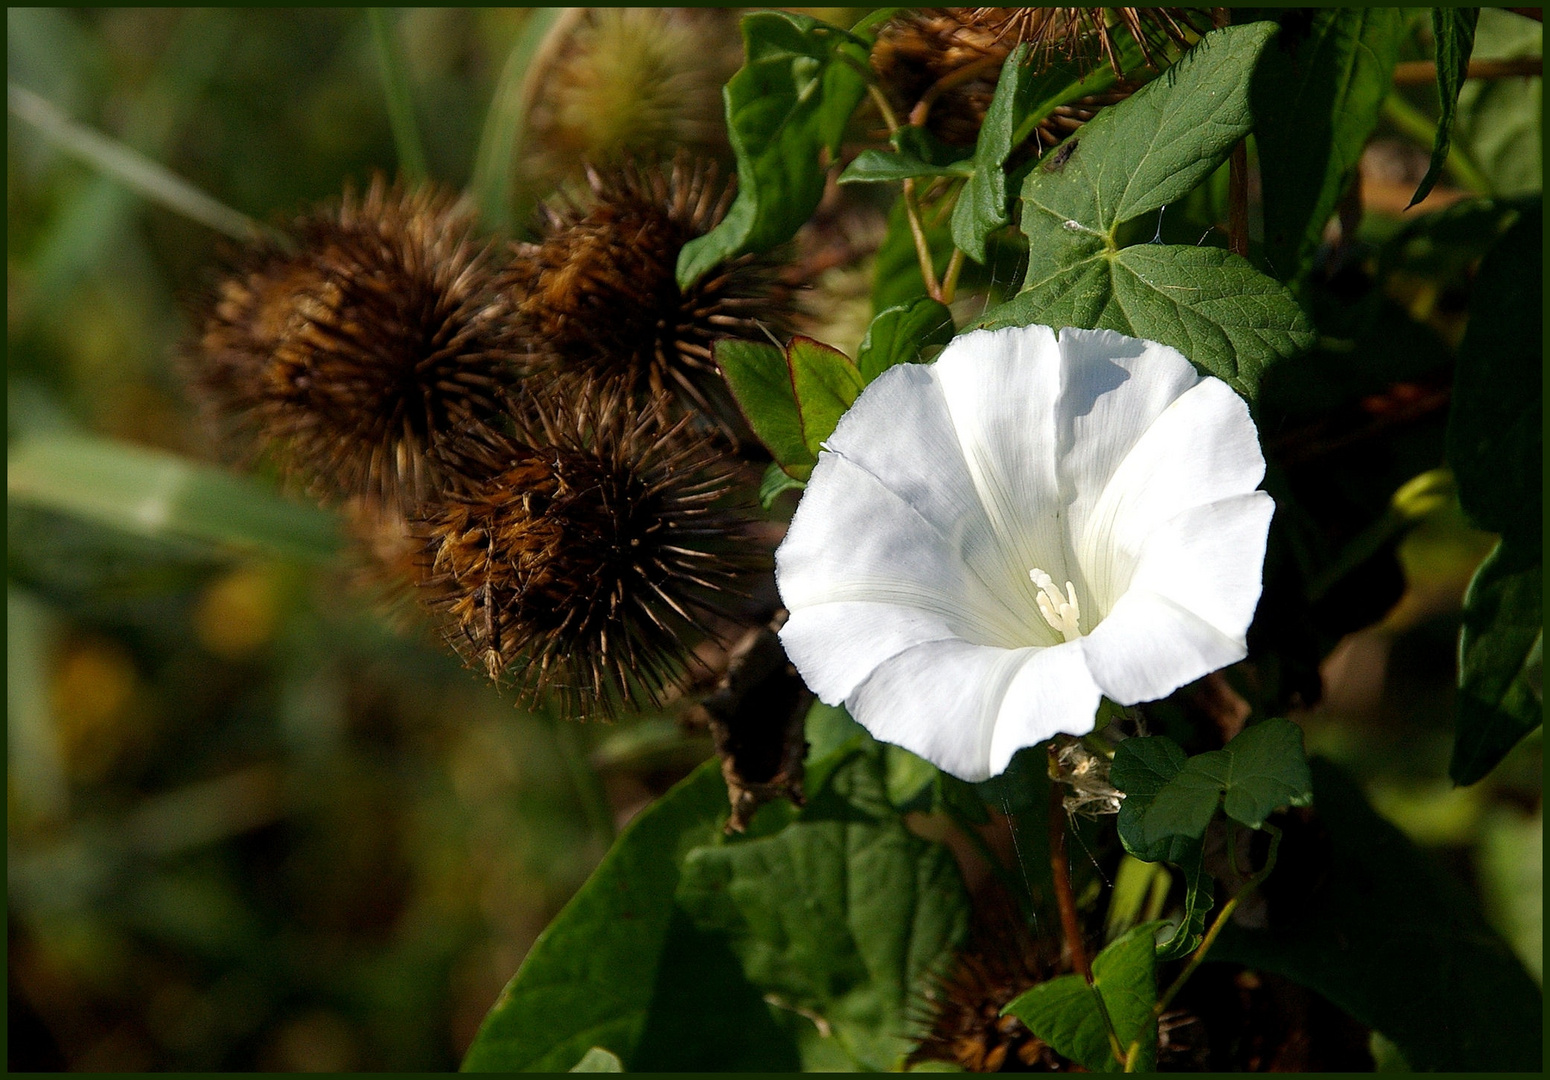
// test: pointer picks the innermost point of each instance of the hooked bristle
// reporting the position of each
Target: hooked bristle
(940, 66)
(590, 561)
(598, 301)
(370, 357)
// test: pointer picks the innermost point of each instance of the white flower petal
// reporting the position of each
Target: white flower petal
(837, 645)
(852, 539)
(899, 430)
(1210, 559)
(1115, 387)
(1149, 646)
(1052, 693)
(941, 700)
(1189, 603)
(1002, 390)
(1201, 448)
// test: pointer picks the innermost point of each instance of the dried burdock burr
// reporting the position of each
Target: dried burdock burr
(369, 357)
(939, 66)
(598, 301)
(586, 566)
(616, 82)
(959, 1011)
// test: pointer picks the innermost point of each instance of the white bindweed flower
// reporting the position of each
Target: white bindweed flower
(993, 542)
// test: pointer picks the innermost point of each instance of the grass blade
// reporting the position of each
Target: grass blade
(157, 494)
(400, 102)
(501, 141)
(128, 166)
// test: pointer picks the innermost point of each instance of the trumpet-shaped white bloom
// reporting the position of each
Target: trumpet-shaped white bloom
(991, 543)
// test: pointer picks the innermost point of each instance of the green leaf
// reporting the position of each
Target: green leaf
(775, 483)
(1142, 767)
(1199, 898)
(1495, 441)
(1022, 100)
(877, 166)
(1154, 147)
(598, 1060)
(157, 494)
(1131, 159)
(1317, 95)
(792, 401)
(983, 205)
(1257, 773)
(1454, 29)
(839, 917)
(127, 166)
(897, 336)
(911, 779)
(1362, 916)
(1064, 1013)
(826, 384)
(622, 968)
(1213, 306)
(1501, 659)
(790, 100)
(761, 382)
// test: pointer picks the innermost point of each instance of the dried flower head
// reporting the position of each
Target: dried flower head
(589, 560)
(961, 1009)
(598, 301)
(631, 80)
(1091, 36)
(371, 360)
(940, 66)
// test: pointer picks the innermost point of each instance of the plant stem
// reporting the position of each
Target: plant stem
(911, 209)
(400, 102)
(1199, 955)
(1060, 867)
(922, 245)
(1238, 200)
(1421, 72)
(950, 279)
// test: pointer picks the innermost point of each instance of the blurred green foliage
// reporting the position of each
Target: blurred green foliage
(254, 823)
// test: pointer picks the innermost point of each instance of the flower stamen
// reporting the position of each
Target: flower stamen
(1062, 613)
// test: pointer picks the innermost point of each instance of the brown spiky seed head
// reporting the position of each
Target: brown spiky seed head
(1092, 36)
(940, 66)
(961, 1010)
(369, 356)
(590, 562)
(598, 300)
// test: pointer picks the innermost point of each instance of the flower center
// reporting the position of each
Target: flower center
(1061, 612)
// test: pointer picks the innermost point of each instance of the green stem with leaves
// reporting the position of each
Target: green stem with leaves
(911, 205)
(1198, 956)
